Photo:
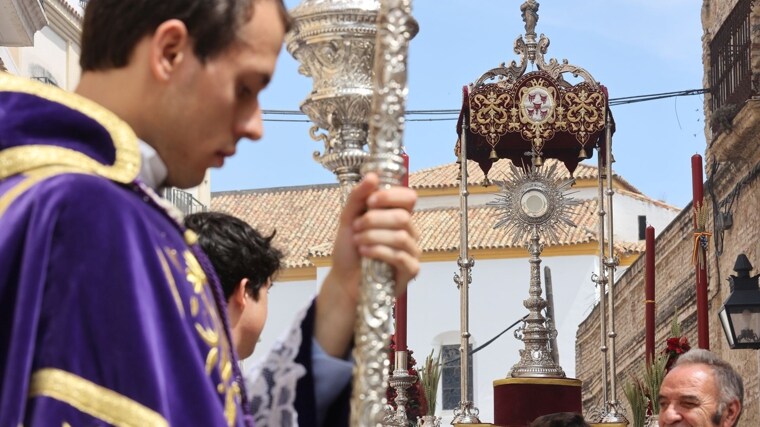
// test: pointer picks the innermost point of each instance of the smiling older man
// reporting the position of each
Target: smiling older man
(701, 390)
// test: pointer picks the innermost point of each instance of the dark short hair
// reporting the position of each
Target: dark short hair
(236, 250)
(112, 28)
(560, 419)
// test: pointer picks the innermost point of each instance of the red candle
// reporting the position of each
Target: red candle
(649, 294)
(401, 299)
(703, 334)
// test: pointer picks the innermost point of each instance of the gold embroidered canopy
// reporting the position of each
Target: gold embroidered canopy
(522, 116)
(535, 113)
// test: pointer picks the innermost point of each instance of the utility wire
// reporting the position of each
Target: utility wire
(490, 341)
(408, 120)
(446, 112)
(656, 96)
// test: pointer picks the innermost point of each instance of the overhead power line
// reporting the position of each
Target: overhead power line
(455, 113)
(656, 96)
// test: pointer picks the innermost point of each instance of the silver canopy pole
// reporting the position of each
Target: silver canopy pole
(466, 412)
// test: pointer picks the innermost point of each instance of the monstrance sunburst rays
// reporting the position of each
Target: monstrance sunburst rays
(534, 199)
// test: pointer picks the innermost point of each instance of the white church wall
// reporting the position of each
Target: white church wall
(8, 55)
(73, 70)
(48, 54)
(452, 200)
(626, 212)
(496, 295)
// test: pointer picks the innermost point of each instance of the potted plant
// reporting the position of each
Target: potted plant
(430, 375)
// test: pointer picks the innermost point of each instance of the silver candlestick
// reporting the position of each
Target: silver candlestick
(400, 380)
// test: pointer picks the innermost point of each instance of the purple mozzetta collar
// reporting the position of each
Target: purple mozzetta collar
(41, 125)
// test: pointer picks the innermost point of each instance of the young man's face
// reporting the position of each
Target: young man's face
(689, 396)
(252, 320)
(212, 106)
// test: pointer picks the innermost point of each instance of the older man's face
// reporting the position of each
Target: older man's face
(689, 396)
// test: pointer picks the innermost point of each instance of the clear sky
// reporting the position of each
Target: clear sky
(634, 47)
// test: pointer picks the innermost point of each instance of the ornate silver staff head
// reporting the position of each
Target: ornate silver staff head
(334, 41)
(359, 93)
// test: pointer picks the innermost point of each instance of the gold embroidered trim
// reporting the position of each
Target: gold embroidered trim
(190, 237)
(24, 158)
(172, 282)
(92, 399)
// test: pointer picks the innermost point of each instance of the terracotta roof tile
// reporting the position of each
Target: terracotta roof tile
(445, 176)
(627, 248)
(306, 218)
(439, 228)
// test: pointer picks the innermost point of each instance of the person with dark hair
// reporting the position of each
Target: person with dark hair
(701, 390)
(560, 419)
(110, 313)
(245, 262)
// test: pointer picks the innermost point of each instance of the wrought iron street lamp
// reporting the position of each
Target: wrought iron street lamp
(740, 314)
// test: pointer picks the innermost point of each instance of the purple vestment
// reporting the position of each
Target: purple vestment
(106, 315)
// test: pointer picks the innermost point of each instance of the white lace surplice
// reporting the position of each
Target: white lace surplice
(271, 382)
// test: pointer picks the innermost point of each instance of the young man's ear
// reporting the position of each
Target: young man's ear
(167, 47)
(238, 296)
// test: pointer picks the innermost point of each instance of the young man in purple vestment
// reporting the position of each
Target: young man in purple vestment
(109, 311)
